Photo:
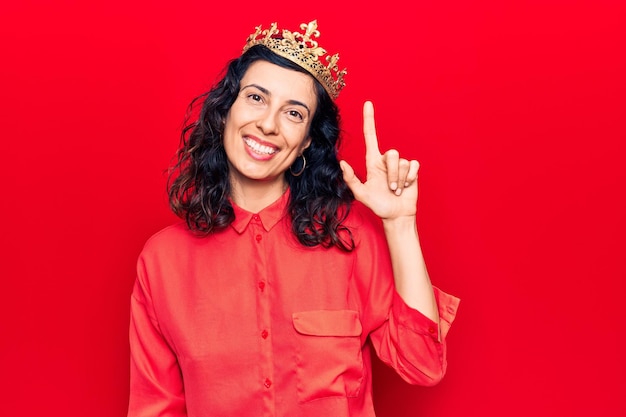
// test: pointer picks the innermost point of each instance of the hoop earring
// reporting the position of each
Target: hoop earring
(297, 174)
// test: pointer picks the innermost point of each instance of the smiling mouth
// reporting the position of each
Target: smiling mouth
(258, 148)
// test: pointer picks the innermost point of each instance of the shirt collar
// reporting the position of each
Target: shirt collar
(269, 216)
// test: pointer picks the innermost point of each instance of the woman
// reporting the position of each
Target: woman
(268, 299)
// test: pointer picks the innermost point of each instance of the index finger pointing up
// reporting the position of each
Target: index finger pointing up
(369, 130)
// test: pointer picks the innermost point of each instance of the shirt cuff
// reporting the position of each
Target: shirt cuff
(412, 319)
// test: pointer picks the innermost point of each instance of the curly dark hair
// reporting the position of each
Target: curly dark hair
(199, 185)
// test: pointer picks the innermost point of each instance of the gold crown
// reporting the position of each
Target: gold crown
(302, 50)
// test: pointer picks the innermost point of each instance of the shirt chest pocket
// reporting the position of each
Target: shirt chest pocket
(329, 361)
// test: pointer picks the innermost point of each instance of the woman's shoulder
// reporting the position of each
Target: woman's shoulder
(363, 222)
(173, 237)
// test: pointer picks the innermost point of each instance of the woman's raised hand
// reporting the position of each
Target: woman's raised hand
(390, 189)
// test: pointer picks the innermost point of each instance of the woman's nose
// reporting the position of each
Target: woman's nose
(268, 122)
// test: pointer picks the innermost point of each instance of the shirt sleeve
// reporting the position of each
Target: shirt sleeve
(413, 344)
(156, 386)
(403, 338)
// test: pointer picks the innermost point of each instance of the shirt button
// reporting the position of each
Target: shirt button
(261, 285)
(431, 330)
(264, 334)
(258, 238)
(255, 217)
(267, 383)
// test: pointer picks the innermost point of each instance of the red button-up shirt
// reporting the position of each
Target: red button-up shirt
(249, 322)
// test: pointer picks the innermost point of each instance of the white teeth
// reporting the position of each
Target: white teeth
(258, 148)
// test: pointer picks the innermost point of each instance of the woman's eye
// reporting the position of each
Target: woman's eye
(255, 97)
(296, 114)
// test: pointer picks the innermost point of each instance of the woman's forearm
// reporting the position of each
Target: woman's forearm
(409, 269)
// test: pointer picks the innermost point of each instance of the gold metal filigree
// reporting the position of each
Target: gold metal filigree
(303, 50)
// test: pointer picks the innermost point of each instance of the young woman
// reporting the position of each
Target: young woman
(287, 270)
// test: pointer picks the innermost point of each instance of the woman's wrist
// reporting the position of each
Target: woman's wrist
(400, 224)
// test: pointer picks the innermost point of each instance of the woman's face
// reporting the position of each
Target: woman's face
(267, 127)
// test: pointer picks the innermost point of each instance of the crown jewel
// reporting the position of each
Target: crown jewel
(303, 50)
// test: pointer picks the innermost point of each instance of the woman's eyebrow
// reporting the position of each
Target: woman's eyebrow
(299, 103)
(262, 89)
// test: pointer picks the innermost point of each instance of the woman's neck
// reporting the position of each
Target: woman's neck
(254, 196)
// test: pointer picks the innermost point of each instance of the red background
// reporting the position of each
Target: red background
(514, 109)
